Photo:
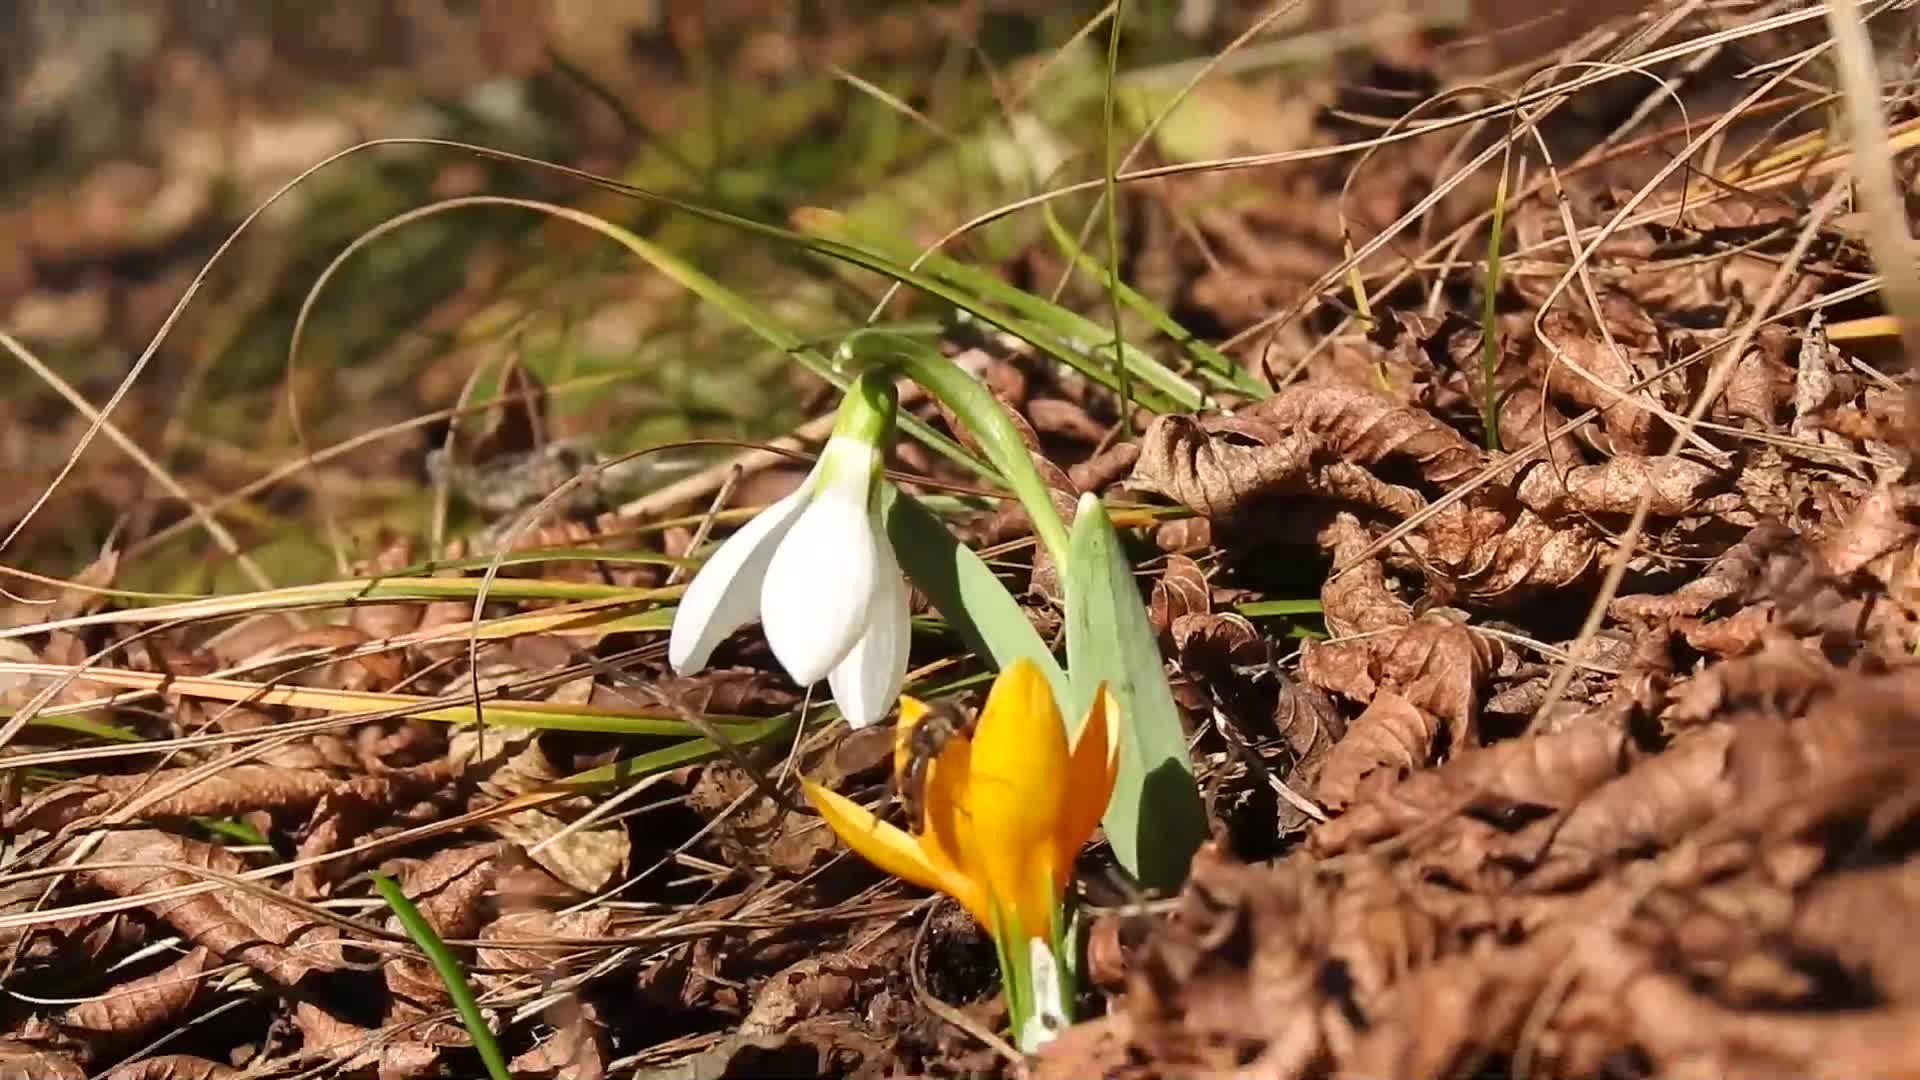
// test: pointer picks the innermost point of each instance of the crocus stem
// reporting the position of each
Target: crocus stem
(1049, 1005)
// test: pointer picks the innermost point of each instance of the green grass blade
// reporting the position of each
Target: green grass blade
(1265, 608)
(640, 766)
(1155, 821)
(1210, 360)
(1489, 326)
(743, 311)
(1110, 202)
(450, 973)
(357, 591)
(1063, 334)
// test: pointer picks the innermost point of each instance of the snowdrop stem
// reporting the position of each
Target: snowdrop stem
(984, 417)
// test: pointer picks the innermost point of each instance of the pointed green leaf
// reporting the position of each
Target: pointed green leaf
(1155, 821)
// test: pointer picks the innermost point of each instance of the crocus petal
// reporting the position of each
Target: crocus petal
(1091, 767)
(820, 585)
(725, 594)
(866, 683)
(945, 829)
(1017, 796)
(890, 848)
(947, 834)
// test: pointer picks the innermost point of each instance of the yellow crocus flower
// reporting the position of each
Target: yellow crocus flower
(1005, 811)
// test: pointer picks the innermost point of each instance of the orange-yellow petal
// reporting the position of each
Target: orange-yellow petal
(1091, 767)
(1016, 794)
(893, 849)
(947, 832)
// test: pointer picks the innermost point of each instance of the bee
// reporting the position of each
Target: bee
(941, 722)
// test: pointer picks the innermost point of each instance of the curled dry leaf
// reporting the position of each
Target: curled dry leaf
(1655, 803)
(229, 792)
(1687, 1034)
(365, 808)
(1545, 771)
(1616, 486)
(1590, 375)
(1181, 589)
(577, 1050)
(587, 858)
(1881, 523)
(1234, 982)
(1731, 576)
(1450, 1014)
(1856, 919)
(1441, 666)
(22, 1060)
(138, 1009)
(173, 1067)
(280, 942)
(1360, 600)
(1333, 438)
(508, 958)
(1390, 739)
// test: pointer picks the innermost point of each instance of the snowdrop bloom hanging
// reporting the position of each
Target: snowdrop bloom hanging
(818, 571)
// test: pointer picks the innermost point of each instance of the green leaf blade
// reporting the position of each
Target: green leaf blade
(1156, 821)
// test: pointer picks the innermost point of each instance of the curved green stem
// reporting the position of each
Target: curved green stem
(985, 419)
(448, 968)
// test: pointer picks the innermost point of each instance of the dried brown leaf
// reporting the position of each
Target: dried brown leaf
(1449, 1015)
(1616, 486)
(1233, 982)
(516, 764)
(1881, 523)
(137, 1009)
(1630, 425)
(1220, 465)
(1655, 803)
(1544, 771)
(1685, 1034)
(502, 963)
(1181, 589)
(450, 889)
(281, 943)
(228, 792)
(1862, 919)
(1732, 576)
(1360, 600)
(1390, 739)
(1441, 666)
(577, 1050)
(1329, 440)
(172, 1067)
(21, 1060)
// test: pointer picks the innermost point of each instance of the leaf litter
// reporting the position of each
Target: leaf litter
(1695, 855)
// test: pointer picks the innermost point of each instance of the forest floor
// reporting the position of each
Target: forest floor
(1528, 516)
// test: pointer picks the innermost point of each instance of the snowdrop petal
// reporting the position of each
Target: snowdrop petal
(725, 594)
(817, 591)
(866, 683)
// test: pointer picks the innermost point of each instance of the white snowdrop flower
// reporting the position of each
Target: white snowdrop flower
(817, 570)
